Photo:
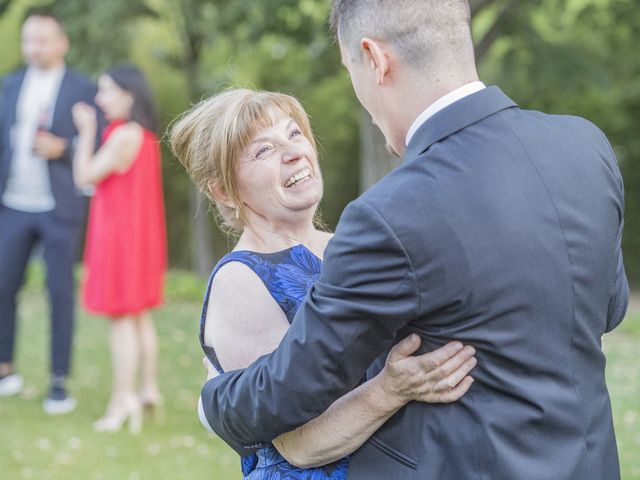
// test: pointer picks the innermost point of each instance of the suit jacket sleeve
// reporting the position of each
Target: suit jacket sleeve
(2, 115)
(1, 122)
(620, 292)
(619, 299)
(86, 93)
(365, 294)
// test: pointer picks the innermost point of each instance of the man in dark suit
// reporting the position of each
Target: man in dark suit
(38, 199)
(501, 229)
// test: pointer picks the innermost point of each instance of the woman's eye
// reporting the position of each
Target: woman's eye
(295, 132)
(263, 151)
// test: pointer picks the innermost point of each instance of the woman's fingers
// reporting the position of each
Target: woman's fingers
(454, 393)
(404, 348)
(450, 364)
(433, 360)
(211, 371)
(455, 377)
(437, 376)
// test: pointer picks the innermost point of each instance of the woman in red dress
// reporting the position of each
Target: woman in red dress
(125, 252)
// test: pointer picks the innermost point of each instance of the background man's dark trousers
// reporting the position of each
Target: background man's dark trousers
(20, 232)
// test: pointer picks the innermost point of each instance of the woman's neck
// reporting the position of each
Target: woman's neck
(272, 237)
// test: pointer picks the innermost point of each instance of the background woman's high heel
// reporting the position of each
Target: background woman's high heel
(130, 412)
(153, 405)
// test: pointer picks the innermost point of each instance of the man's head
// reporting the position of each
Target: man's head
(402, 55)
(44, 41)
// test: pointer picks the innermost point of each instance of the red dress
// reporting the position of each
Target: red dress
(126, 247)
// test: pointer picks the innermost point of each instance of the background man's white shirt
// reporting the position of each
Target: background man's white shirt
(28, 187)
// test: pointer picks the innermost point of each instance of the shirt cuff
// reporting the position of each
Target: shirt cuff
(202, 417)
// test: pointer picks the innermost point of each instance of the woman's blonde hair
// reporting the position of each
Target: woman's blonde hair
(209, 138)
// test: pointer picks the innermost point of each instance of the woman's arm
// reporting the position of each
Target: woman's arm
(115, 155)
(437, 377)
(243, 321)
(240, 331)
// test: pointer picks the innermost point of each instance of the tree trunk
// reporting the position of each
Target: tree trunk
(202, 257)
(375, 160)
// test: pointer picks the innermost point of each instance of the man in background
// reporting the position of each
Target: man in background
(38, 199)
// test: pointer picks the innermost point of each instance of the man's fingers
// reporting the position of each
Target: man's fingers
(404, 348)
(456, 392)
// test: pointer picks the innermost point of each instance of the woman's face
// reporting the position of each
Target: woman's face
(278, 174)
(114, 101)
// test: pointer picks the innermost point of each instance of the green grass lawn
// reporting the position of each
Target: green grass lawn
(34, 446)
(623, 379)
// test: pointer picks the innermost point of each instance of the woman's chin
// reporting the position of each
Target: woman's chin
(306, 206)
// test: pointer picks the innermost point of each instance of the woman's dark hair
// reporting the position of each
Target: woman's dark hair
(131, 79)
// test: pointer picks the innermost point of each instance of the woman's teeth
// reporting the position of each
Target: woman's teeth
(297, 177)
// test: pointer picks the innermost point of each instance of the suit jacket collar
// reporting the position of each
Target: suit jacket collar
(63, 97)
(12, 96)
(456, 117)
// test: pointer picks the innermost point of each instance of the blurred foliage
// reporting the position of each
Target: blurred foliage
(562, 56)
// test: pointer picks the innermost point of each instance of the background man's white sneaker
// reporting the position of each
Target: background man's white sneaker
(59, 407)
(10, 385)
(58, 402)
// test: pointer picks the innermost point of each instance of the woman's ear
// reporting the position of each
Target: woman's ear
(218, 192)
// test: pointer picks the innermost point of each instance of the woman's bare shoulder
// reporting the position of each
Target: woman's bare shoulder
(323, 240)
(129, 134)
(243, 320)
(234, 282)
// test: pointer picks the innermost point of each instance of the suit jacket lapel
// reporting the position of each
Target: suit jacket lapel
(63, 98)
(457, 116)
(13, 92)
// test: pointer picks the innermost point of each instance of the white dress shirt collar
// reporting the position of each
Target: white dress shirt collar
(441, 103)
(56, 72)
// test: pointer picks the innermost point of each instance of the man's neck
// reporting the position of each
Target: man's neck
(54, 67)
(425, 93)
(442, 103)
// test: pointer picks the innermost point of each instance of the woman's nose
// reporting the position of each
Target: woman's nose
(292, 152)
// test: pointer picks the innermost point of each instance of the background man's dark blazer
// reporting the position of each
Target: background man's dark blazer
(70, 203)
(501, 229)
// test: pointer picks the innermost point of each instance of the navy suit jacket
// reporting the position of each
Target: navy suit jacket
(501, 229)
(70, 203)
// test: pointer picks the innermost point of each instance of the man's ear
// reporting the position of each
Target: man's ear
(376, 55)
(219, 193)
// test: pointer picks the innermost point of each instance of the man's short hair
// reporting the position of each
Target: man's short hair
(46, 12)
(419, 30)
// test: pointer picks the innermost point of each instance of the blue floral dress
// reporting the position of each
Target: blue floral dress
(288, 275)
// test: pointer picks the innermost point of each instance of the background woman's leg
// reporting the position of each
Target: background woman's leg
(125, 352)
(149, 392)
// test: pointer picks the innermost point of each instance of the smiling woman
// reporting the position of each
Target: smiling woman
(253, 154)
(278, 177)
(242, 144)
